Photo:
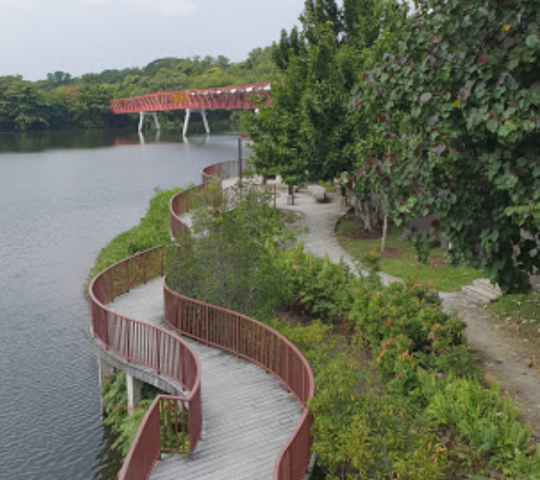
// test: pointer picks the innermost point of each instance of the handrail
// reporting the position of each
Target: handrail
(155, 348)
(245, 337)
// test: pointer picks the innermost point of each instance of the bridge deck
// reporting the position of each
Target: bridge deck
(248, 414)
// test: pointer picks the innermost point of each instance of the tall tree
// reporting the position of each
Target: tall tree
(455, 119)
(307, 132)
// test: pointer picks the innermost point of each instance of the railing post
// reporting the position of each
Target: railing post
(207, 326)
(162, 254)
(288, 373)
(157, 353)
(106, 327)
(265, 346)
(237, 336)
(111, 284)
(128, 356)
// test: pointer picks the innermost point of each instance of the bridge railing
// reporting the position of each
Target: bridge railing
(172, 424)
(247, 338)
(230, 98)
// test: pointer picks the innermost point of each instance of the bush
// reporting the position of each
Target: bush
(490, 425)
(320, 287)
(233, 260)
(406, 328)
(361, 431)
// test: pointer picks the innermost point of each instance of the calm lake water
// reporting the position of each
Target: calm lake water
(63, 196)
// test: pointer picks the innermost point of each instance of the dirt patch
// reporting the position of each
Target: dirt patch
(437, 261)
(361, 234)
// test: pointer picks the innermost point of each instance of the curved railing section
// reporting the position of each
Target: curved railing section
(223, 171)
(245, 337)
(172, 424)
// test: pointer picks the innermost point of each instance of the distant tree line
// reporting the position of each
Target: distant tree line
(63, 101)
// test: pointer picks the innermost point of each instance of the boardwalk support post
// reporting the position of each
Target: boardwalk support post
(186, 121)
(205, 121)
(133, 392)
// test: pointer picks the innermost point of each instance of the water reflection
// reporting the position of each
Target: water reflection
(108, 460)
(83, 139)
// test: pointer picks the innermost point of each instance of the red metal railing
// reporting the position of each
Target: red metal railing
(172, 424)
(246, 338)
(228, 98)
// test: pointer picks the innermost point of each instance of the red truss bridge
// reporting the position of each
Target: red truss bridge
(236, 97)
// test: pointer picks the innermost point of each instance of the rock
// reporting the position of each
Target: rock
(319, 193)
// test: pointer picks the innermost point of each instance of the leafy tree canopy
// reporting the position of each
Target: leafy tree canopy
(308, 131)
(453, 123)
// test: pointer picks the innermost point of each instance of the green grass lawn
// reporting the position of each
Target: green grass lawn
(401, 260)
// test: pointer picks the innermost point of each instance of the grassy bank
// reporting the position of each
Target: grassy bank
(401, 259)
(152, 231)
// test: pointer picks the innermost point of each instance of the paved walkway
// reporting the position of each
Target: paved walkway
(248, 414)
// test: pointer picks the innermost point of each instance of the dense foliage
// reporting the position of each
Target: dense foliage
(125, 425)
(308, 132)
(455, 128)
(230, 259)
(63, 101)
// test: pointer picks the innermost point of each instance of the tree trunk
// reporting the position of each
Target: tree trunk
(291, 195)
(384, 232)
(366, 216)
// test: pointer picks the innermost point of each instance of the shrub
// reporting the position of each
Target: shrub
(320, 287)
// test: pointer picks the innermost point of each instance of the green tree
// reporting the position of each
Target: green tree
(454, 118)
(22, 105)
(308, 131)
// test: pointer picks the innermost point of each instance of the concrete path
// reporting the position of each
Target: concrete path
(248, 414)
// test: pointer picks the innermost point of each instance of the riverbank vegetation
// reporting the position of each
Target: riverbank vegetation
(152, 231)
(63, 102)
(124, 424)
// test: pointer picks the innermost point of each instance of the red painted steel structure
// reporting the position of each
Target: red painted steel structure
(237, 97)
(245, 337)
(152, 347)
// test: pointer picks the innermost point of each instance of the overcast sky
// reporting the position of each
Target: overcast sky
(82, 36)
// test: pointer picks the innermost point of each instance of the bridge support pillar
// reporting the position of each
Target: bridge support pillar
(188, 118)
(205, 121)
(142, 115)
(141, 120)
(133, 392)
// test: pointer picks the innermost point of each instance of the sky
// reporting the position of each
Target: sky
(88, 36)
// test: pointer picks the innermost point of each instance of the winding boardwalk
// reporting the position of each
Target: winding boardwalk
(248, 414)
